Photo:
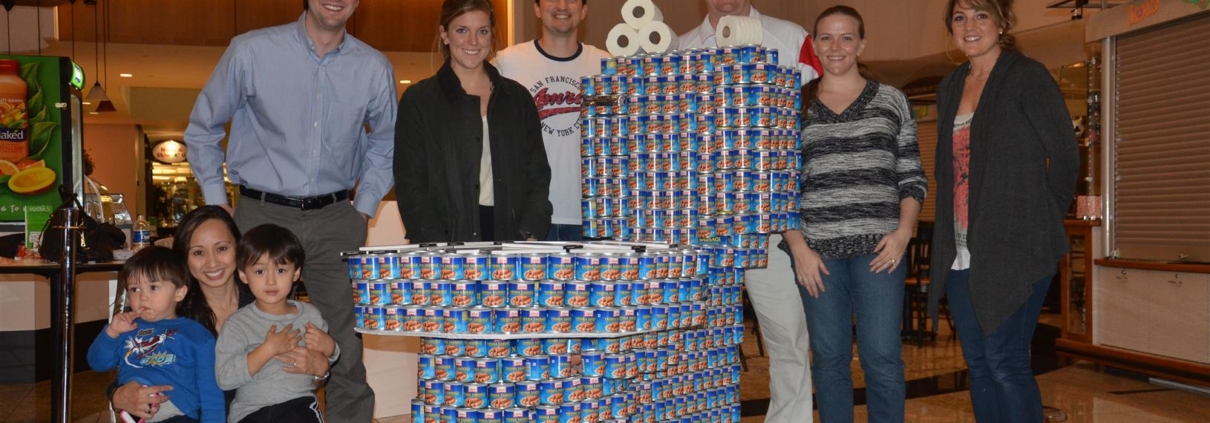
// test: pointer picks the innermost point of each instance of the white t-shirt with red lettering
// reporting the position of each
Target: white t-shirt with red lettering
(554, 83)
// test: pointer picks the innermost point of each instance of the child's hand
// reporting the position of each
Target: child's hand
(319, 340)
(122, 323)
(281, 342)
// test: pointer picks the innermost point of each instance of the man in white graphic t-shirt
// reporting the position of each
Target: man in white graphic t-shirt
(551, 67)
(774, 294)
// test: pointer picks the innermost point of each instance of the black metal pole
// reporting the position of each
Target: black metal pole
(64, 323)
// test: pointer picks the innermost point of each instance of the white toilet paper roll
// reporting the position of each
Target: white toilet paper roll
(639, 13)
(738, 31)
(622, 41)
(657, 37)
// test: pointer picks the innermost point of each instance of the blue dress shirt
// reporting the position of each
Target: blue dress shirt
(298, 121)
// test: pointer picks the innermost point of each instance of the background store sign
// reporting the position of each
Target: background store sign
(170, 151)
(1141, 10)
(29, 184)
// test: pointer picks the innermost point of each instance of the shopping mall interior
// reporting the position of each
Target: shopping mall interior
(1124, 335)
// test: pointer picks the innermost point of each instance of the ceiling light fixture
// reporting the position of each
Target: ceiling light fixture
(405, 81)
(106, 105)
(126, 75)
(97, 94)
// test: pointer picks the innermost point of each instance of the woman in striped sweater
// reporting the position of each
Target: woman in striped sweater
(862, 187)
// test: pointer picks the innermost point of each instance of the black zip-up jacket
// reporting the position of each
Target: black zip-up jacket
(438, 143)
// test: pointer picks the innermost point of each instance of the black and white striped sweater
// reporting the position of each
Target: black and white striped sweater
(857, 167)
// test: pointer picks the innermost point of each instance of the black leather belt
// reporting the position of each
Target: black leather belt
(302, 203)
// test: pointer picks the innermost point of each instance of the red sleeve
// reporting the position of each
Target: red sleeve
(807, 57)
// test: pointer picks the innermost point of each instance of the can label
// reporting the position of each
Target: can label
(576, 294)
(615, 366)
(537, 368)
(501, 395)
(506, 320)
(561, 266)
(521, 293)
(527, 393)
(528, 347)
(498, 347)
(464, 294)
(582, 320)
(601, 294)
(587, 267)
(533, 321)
(532, 267)
(503, 266)
(593, 363)
(493, 293)
(455, 320)
(550, 392)
(558, 320)
(550, 294)
(560, 366)
(479, 320)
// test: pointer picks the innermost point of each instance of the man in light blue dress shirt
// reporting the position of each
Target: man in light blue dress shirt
(299, 97)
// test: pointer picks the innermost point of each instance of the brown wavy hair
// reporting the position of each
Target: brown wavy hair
(1001, 12)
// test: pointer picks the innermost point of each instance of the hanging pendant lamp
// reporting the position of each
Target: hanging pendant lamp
(97, 94)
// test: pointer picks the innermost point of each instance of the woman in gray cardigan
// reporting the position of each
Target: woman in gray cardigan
(1006, 169)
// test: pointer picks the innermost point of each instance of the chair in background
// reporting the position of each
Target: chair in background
(915, 308)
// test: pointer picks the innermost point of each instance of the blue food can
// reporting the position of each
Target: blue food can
(400, 292)
(528, 394)
(443, 368)
(515, 415)
(560, 366)
(583, 320)
(464, 369)
(527, 347)
(455, 394)
(434, 392)
(593, 363)
(550, 392)
(550, 294)
(501, 395)
(537, 367)
(532, 266)
(533, 320)
(520, 293)
(558, 319)
(513, 369)
(455, 347)
(489, 415)
(487, 370)
(587, 266)
(576, 294)
(570, 413)
(561, 266)
(505, 320)
(601, 294)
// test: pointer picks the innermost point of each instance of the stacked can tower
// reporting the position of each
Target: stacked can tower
(655, 330)
(696, 147)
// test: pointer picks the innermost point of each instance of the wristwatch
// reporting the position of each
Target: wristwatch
(324, 378)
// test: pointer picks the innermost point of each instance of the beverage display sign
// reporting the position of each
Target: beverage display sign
(30, 135)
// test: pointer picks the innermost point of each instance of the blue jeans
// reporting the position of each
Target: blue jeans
(1003, 388)
(565, 233)
(877, 301)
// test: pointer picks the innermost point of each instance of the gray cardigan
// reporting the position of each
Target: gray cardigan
(1017, 201)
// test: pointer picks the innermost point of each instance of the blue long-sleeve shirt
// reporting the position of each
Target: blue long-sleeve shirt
(177, 352)
(297, 119)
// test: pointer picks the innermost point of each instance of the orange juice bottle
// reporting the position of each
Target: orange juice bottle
(14, 118)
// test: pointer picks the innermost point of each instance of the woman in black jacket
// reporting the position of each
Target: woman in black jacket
(1007, 165)
(469, 159)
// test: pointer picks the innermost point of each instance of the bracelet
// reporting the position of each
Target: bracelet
(324, 378)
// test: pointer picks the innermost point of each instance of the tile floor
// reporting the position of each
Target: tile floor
(1077, 393)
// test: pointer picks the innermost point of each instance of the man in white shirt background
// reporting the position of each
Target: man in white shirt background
(773, 291)
(551, 67)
